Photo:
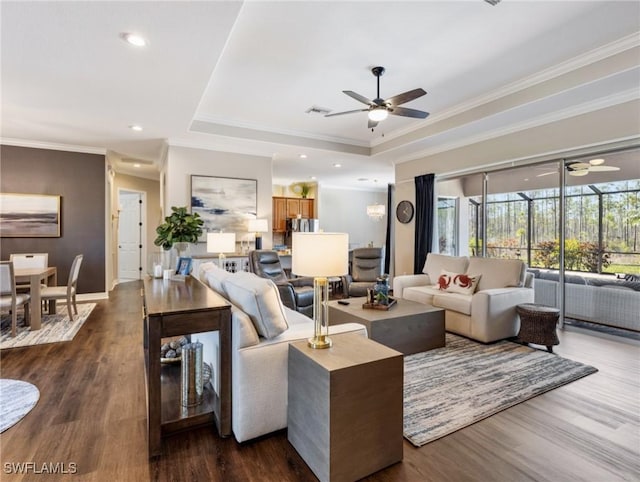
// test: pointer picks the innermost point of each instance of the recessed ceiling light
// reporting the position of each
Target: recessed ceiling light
(313, 177)
(136, 165)
(303, 156)
(133, 39)
(337, 164)
(362, 179)
(596, 162)
(135, 127)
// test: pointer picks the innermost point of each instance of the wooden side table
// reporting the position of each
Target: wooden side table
(345, 407)
(538, 324)
(173, 308)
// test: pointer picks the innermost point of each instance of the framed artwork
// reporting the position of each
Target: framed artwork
(224, 203)
(29, 216)
(184, 266)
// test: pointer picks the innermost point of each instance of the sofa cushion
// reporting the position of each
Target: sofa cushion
(246, 333)
(214, 277)
(258, 298)
(458, 282)
(453, 302)
(435, 263)
(421, 294)
(498, 273)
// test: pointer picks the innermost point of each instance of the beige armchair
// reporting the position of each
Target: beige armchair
(9, 298)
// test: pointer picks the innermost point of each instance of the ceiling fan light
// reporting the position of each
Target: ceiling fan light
(596, 162)
(378, 114)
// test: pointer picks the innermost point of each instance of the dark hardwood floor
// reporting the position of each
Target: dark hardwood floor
(92, 414)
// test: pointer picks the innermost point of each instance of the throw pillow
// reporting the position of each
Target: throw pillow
(258, 298)
(458, 282)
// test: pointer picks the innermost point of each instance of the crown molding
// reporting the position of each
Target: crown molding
(52, 146)
(588, 58)
(213, 120)
(584, 108)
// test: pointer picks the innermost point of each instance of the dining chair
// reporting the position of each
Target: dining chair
(9, 298)
(28, 260)
(67, 292)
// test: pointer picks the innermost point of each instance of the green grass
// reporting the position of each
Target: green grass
(623, 268)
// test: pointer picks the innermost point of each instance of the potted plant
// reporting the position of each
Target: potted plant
(179, 229)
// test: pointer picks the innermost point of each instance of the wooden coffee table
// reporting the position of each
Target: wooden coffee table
(408, 327)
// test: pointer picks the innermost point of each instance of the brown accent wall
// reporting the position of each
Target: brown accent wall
(79, 180)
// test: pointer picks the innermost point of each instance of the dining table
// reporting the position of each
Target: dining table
(35, 277)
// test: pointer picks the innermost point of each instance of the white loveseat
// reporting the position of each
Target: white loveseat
(487, 315)
(258, 361)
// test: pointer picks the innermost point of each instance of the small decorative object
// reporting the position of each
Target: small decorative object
(301, 188)
(207, 373)
(184, 266)
(381, 290)
(171, 352)
(192, 374)
(155, 265)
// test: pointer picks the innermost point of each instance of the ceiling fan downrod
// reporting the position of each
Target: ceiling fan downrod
(378, 71)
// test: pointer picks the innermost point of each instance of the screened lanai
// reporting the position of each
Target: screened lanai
(532, 210)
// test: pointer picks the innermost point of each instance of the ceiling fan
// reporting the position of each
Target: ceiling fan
(583, 168)
(379, 108)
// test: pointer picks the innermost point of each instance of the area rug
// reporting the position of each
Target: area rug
(17, 398)
(450, 388)
(55, 328)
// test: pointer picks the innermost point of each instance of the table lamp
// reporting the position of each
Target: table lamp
(221, 243)
(320, 255)
(258, 226)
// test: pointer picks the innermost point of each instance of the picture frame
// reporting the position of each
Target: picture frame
(224, 203)
(184, 266)
(29, 215)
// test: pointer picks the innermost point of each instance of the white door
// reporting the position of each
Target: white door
(129, 235)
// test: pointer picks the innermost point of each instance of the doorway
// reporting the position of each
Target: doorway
(131, 242)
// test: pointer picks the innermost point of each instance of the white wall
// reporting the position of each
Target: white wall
(182, 162)
(345, 211)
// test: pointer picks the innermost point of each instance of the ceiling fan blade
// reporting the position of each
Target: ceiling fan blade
(579, 172)
(346, 112)
(600, 168)
(372, 124)
(576, 166)
(358, 97)
(546, 173)
(403, 111)
(405, 97)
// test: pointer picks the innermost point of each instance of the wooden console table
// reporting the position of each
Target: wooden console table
(173, 308)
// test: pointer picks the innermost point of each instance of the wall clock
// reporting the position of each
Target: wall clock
(404, 211)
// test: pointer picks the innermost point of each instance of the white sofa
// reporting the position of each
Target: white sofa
(486, 315)
(259, 363)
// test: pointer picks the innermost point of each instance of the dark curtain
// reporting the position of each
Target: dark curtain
(424, 220)
(387, 243)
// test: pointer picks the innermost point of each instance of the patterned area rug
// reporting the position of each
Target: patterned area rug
(55, 328)
(450, 388)
(17, 398)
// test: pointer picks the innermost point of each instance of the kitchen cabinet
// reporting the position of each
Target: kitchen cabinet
(288, 207)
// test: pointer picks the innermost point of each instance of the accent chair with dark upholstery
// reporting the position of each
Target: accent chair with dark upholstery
(295, 293)
(366, 265)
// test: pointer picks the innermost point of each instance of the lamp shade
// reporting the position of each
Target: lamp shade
(221, 242)
(320, 254)
(258, 226)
